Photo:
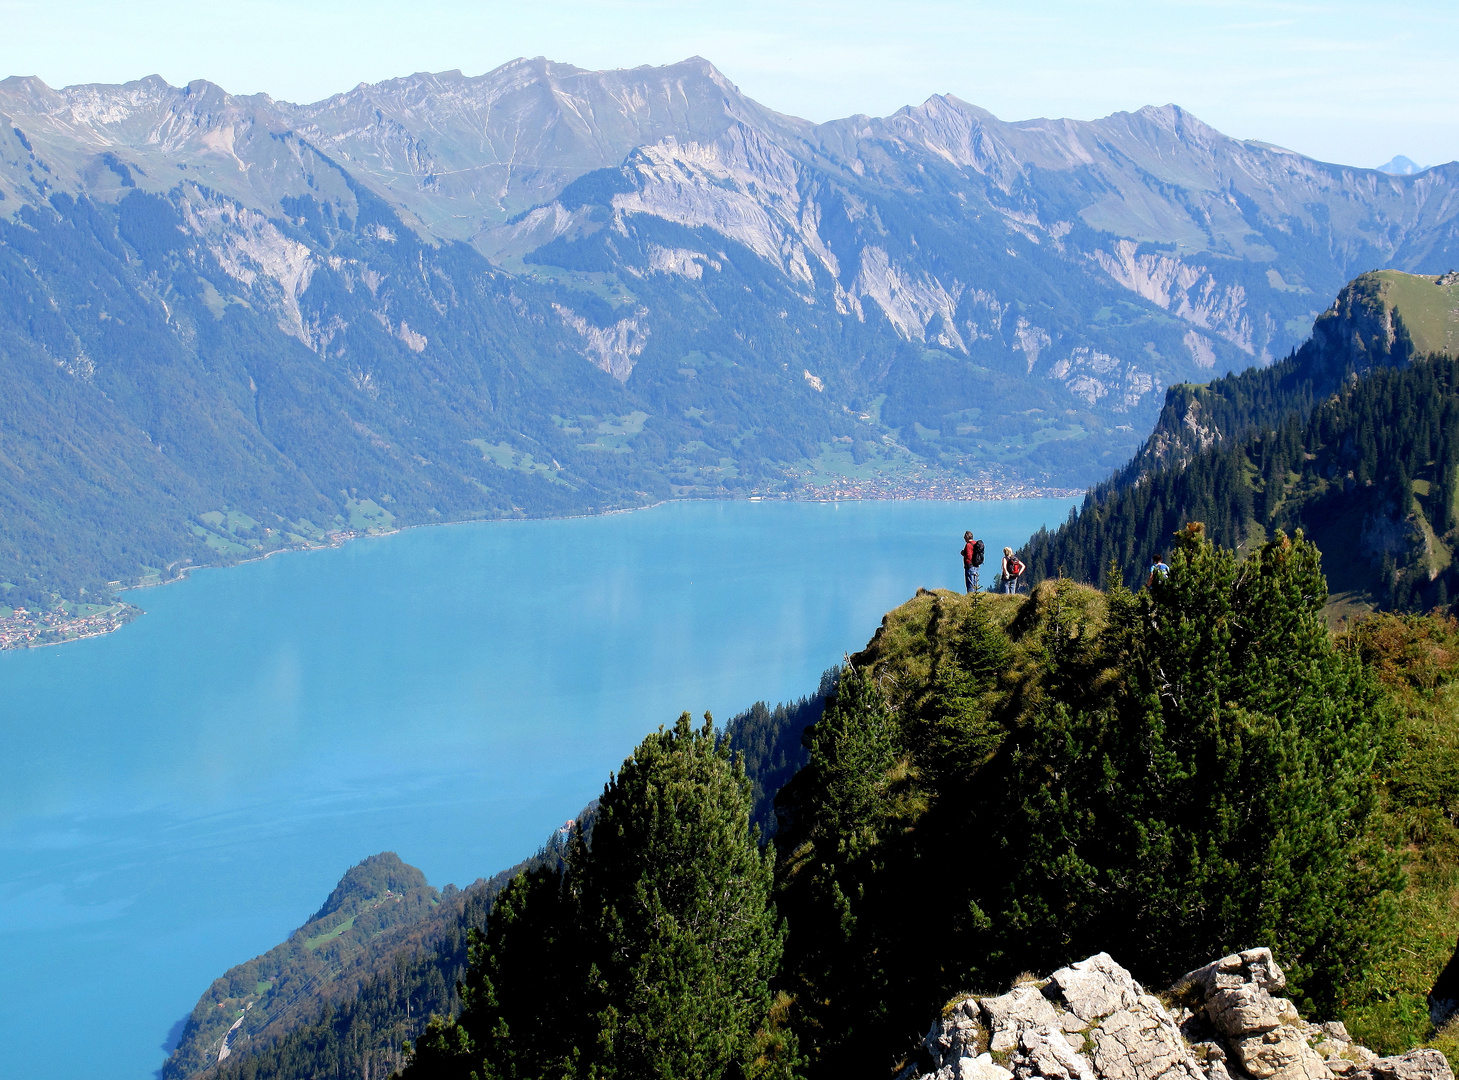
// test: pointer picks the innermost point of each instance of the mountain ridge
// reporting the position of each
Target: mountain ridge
(548, 290)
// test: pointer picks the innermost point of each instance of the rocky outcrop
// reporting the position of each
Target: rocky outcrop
(1093, 1021)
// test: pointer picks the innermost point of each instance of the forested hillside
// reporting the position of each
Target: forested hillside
(355, 983)
(1002, 784)
(351, 985)
(153, 415)
(1354, 440)
(1361, 331)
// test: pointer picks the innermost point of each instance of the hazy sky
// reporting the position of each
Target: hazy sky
(1354, 82)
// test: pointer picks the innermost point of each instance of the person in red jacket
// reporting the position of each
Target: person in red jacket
(972, 559)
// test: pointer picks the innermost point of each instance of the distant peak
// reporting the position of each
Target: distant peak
(25, 84)
(938, 102)
(200, 88)
(1172, 118)
(699, 62)
(1168, 114)
(1401, 166)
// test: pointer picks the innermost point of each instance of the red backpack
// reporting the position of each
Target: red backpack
(1017, 567)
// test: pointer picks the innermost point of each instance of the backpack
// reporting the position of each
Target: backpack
(977, 553)
(1017, 567)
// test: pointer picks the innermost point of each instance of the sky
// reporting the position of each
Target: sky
(1344, 81)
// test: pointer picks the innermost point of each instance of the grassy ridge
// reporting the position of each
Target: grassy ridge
(1430, 311)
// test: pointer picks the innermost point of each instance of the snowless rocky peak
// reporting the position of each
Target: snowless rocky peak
(922, 220)
(512, 138)
(1092, 1021)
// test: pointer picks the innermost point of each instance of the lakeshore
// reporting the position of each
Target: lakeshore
(21, 628)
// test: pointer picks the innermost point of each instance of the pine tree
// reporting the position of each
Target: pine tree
(650, 956)
(1219, 798)
(957, 731)
(838, 848)
(674, 896)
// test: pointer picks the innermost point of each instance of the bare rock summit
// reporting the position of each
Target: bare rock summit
(1093, 1021)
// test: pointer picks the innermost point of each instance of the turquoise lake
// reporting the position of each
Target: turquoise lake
(177, 797)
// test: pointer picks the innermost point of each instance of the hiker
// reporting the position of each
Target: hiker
(1157, 566)
(972, 559)
(1012, 569)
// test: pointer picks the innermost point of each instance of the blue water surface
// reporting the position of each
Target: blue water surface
(178, 796)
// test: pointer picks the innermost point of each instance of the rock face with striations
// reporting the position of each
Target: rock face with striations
(1093, 1021)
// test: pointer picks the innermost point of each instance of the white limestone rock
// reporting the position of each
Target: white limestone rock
(957, 1035)
(1243, 1010)
(1280, 1053)
(1251, 966)
(1044, 1051)
(981, 1067)
(1423, 1064)
(1095, 987)
(1141, 1042)
(1093, 1021)
(1022, 1007)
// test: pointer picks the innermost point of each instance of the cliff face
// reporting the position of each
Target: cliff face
(1092, 1021)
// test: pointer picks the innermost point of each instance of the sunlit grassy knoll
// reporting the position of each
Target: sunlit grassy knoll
(329, 935)
(1430, 311)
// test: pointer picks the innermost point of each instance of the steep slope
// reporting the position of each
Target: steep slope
(1354, 439)
(173, 393)
(1363, 330)
(351, 985)
(377, 908)
(545, 289)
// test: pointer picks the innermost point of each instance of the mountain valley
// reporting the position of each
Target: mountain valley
(234, 324)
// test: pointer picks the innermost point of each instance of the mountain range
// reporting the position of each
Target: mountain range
(232, 324)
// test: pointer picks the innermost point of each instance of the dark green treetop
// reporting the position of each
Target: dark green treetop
(651, 955)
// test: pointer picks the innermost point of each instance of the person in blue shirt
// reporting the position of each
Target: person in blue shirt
(1157, 566)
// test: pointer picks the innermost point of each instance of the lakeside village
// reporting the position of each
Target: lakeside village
(24, 628)
(21, 628)
(936, 487)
